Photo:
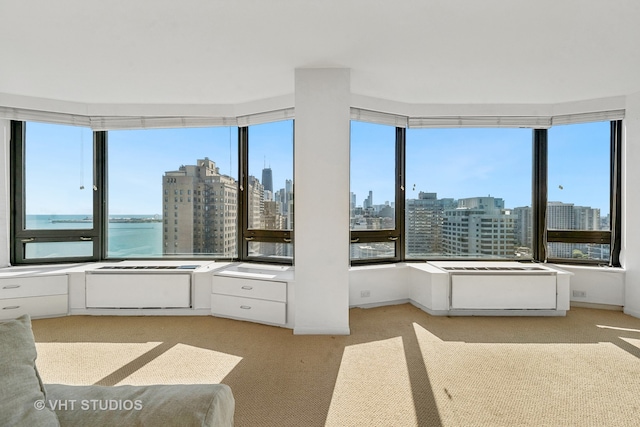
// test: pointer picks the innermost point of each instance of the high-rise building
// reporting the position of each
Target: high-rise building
(479, 227)
(523, 231)
(255, 203)
(200, 215)
(424, 218)
(267, 179)
(567, 216)
(368, 202)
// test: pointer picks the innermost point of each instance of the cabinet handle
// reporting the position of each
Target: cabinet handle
(247, 288)
(11, 307)
(11, 287)
(245, 307)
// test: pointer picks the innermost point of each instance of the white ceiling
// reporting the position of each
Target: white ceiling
(237, 51)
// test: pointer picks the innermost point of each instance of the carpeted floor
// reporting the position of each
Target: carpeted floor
(399, 366)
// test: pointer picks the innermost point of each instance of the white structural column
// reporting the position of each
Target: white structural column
(5, 131)
(322, 103)
(630, 257)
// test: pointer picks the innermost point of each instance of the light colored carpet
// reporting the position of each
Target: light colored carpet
(399, 366)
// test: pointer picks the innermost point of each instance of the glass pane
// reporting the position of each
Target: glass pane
(579, 177)
(173, 192)
(58, 250)
(373, 172)
(270, 196)
(584, 251)
(276, 251)
(361, 251)
(58, 177)
(468, 193)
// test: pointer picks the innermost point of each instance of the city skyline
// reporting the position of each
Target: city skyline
(137, 158)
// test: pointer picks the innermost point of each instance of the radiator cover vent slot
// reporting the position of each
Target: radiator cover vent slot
(481, 269)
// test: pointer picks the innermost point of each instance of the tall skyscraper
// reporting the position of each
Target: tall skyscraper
(200, 211)
(267, 179)
(368, 202)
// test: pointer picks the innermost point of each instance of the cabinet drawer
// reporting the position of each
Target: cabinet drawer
(52, 305)
(249, 309)
(19, 287)
(249, 288)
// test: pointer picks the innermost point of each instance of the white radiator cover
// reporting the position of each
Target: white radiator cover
(498, 287)
(138, 290)
(484, 291)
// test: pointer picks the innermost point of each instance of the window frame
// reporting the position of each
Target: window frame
(396, 234)
(248, 235)
(541, 235)
(21, 235)
(611, 237)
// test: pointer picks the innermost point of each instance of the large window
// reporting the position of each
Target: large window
(80, 195)
(53, 213)
(375, 227)
(468, 193)
(581, 182)
(548, 192)
(501, 193)
(172, 192)
(267, 188)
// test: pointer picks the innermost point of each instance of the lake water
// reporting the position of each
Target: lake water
(126, 237)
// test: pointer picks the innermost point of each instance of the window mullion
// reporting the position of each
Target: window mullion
(539, 197)
(400, 191)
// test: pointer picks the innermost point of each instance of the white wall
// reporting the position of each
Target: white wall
(630, 256)
(321, 180)
(602, 285)
(5, 210)
(378, 285)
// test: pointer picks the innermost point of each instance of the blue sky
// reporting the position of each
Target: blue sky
(461, 163)
(454, 163)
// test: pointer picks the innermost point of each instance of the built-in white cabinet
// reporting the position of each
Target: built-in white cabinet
(489, 288)
(138, 290)
(37, 296)
(146, 287)
(256, 293)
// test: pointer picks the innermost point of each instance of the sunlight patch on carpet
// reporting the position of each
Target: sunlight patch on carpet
(508, 383)
(367, 372)
(184, 364)
(85, 363)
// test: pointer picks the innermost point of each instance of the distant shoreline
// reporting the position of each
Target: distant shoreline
(111, 220)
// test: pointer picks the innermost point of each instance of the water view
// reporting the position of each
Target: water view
(127, 235)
